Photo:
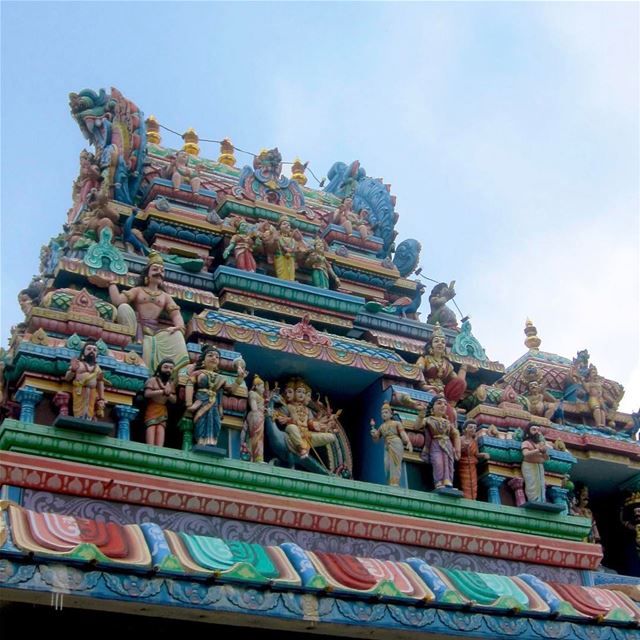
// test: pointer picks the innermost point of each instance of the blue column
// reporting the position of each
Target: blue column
(28, 397)
(492, 483)
(558, 495)
(125, 415)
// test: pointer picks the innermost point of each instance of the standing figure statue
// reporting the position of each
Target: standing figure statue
(441, 442)
(141, 308)
(321, 270)
(203, 396)
(303, 431)
(286, 246)
(88, 383)
(581, 508)
(535, 453)
(253, 429)
(87, 181)
(440, 313)
(396, 441)
(596, 400)
(469, 458)
(158, 391)
(181, 173)
(439, 374)
(242, 244)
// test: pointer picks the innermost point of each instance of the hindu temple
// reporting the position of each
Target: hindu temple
(236, 399)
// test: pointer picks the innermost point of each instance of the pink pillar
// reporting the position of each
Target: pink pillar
(517, 485)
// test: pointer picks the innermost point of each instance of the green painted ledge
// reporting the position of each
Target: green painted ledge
(103, 451)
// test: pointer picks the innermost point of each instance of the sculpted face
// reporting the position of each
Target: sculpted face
(301, 394)
(25, 302)
(211, 360)
(440, 408)
(167, 368)
(470, 430)
(438, 346)
(386, 413)
(260, 388)
(285, 227)
(289, 393)
(156, 272)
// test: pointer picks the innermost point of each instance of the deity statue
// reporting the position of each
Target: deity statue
(203, 395)
(181, 173)
(159, 390)
(242, 244)
(581, 508)
(596, 396)
(469, 458)
(541, 402)
(286, 247)
(439, 374)
(304, 431)
(253, 429)
(441, 442)
(440, 313)
(395, 442)
(87, 181)
(535, 452)
(88, 383)
(321, 269)
(141, 308)
(346, 217)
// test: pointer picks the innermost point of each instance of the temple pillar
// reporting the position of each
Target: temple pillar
(125, 415)
(28, 397)
(517, 486)
(492, 483)
(558, 496)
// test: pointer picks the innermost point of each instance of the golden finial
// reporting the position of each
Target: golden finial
(191, 139)
(297, 171)
(532, 341)
(226, 153)
(153, 130)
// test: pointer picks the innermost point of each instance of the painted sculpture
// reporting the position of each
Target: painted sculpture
(322, 273)
(441, 442)
(181, 174)
(469, 459)
(395, 442)
(242, 245)
(159, 390)
(142, 307)
(440, 313)
(87, 181)
(87, 380)
(253, 429)
(535, 452)
(580, 507)
(203, 396)
(541, 402)
(351, 220)
(304, 431)
(439, 375)
(286, 246)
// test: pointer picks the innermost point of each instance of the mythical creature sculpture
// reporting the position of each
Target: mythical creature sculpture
(466, 344)
(115, 126)
(396, 441)
(405, 306)
(369, 195)
(265, 182)
(438, 298)
(407, 257)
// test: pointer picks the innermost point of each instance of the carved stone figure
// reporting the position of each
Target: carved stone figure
(441, 442)
(254, 422)
(286, 246)
(87, 181)
(88, 383)
(440, 313)
(303, 430)
(439, 374)
(141, 308)
(242, 244)
(581, 508)
(535, 452)
(181, 173)
(395, 442)
(596, 396)
(346, 217)
(159, 390)
(469, 458)
(541, 402)
(203, 396)
(321, 269)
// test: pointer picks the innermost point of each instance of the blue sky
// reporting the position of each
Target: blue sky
(508, 131)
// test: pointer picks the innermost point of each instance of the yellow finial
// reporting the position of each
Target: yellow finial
(297, 172)
(191, 139)
(532, 341)
(226, 153)
(153, 130)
